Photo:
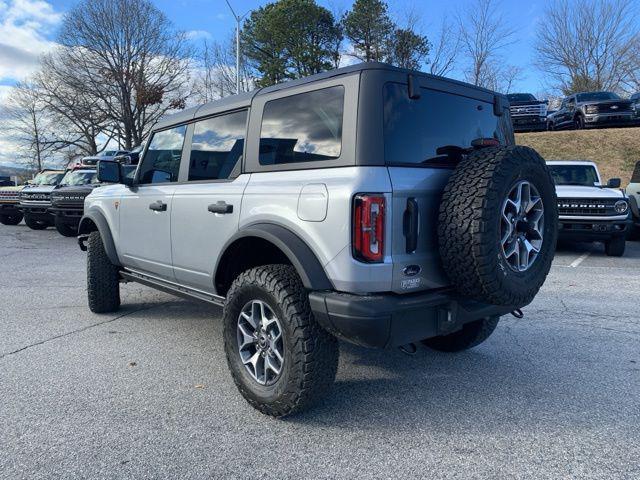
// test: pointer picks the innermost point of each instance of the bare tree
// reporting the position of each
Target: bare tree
(28, 126)
(588, 44)
(445, 49)
(128, 55)
(484, 34)
(70, 103)
(216, 76)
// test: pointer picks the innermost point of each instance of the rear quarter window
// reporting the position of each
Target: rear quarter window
(306, 127)
(421, 129)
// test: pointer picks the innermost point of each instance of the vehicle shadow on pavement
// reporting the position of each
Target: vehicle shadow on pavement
(480, 389)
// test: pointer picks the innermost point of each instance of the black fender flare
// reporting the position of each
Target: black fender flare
(633, 204)
(297, 251)
(98, 219)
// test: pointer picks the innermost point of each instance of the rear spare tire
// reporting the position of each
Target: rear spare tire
(497, 226)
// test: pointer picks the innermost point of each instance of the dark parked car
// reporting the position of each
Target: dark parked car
(591, 109)
(635, 106)
(527, 113)
(67, 201)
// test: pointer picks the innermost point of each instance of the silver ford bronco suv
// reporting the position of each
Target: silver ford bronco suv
(372, 204)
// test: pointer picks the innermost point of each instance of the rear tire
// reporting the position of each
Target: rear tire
(480, 242)
(11, 219)
(471, 335)
(615, 247)
(103, 285)
(35, 224)
(65, 230)
(309, 354)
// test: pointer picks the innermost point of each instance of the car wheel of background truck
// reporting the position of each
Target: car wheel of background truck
(34, 224)
(11, 219)
(579, 122)
(497, 226)
(471, 335)
(280, 359)
(103, 285)
(66, 230)
(615, 247)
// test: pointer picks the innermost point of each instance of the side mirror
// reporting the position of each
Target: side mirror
(123, 159)
(614, 183)
(110, 171)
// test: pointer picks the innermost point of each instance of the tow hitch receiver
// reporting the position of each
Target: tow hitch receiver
(82, 242)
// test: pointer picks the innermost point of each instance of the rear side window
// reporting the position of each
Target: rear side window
(302, 128)
(437, 124)
(217, 146)
(161, 162)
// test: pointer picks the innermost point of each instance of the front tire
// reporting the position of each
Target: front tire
(471, 335)
(11, 219)
(35, 224)
(103, 285)
(578, 122)
(65, 230)
(267, 310)
(615, 247)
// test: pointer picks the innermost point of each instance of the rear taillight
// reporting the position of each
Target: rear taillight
(368, 227)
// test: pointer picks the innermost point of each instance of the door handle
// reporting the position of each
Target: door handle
(221, 207)
(158, 206)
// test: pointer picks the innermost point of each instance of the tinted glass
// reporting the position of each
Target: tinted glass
(302, 128)
(161, 162)
(596, 96)
(217, 146)
(521, 97)
(425, 129)
(582, 175)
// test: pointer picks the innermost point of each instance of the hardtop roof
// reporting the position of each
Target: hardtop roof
(244, 100)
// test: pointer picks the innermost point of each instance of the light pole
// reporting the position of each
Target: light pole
(238, 20)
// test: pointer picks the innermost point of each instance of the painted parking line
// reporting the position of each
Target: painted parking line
(580, 259)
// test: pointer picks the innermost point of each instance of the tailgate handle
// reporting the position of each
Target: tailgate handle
(410, 225)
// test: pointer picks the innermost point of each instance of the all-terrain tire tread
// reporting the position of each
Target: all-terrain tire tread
(314, 351)
(103, 286)
(464, 217)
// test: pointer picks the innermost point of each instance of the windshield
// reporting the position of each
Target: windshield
(48, 178)
(597, 96)
(79, 177)
(521, 97)
(579, 175)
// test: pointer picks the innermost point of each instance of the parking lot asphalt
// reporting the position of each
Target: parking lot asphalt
(145, 393)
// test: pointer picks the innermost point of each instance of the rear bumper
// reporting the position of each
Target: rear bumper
(592, 230)
(389, 320)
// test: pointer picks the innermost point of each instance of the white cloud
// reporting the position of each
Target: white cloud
(199, 35)
(25, 30)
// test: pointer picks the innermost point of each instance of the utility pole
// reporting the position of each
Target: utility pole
(238, 21)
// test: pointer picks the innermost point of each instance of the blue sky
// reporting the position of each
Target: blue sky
(28, 28)
(211, 18)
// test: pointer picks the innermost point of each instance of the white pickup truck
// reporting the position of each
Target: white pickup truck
(588, 210)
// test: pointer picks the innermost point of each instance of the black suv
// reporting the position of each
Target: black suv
(528, 114)
(67, 201)
(592, 109)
